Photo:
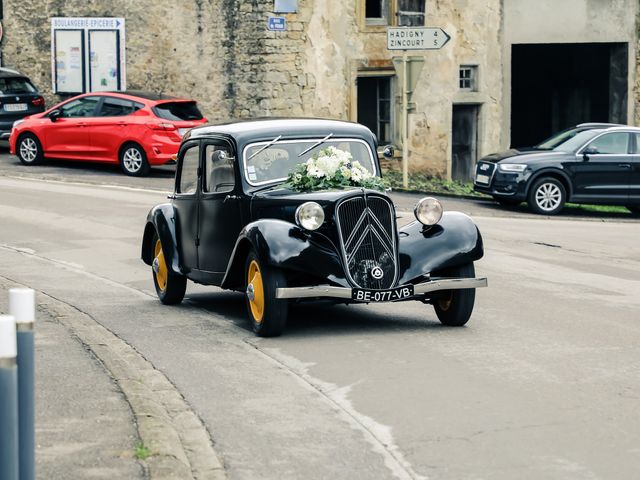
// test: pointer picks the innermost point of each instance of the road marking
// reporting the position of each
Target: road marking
(378, 435)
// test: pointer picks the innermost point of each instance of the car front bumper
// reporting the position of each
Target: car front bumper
(433, 285)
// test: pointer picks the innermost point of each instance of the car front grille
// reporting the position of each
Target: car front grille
(368, 241)
(484, 173)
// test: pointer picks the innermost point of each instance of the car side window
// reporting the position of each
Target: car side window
(82, 107)
(189, 170)
(611, 144)
(218, 168)
(117, 107)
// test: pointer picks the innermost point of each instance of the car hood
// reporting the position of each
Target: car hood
(524, 156)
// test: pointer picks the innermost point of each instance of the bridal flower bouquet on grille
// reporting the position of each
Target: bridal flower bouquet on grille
(331, 168)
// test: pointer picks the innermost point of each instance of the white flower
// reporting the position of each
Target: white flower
(356, 175)
(315, 172)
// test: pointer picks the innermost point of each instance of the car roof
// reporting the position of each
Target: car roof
(144, 94)
(10, 73)
(271, 127)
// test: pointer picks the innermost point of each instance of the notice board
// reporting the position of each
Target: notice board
(87, 54)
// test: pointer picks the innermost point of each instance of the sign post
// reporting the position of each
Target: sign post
(411, 38)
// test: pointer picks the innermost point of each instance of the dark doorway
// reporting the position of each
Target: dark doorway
(556, 86)
(374, 106)
(464, 142)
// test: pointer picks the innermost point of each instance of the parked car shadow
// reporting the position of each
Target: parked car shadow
(81, 169)
(569, 211)
(319, 318)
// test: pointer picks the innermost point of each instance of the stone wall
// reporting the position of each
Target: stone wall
(220, 53)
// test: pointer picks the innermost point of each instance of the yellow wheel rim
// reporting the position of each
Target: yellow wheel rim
(160, 267)
(255, 291)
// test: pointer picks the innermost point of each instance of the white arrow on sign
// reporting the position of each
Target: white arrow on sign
(416, 38)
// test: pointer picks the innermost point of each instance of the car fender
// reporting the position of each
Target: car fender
(161, 219)
(551, 172)
(452, 242)
(284, 245)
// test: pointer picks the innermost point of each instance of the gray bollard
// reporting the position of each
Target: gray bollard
(8, 399)
(22, 308)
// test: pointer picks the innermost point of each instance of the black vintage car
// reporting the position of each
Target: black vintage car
(234, 222)
(591, 163)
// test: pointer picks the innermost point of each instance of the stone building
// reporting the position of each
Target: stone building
(513, 72)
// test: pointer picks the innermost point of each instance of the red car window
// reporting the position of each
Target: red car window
(177, 111)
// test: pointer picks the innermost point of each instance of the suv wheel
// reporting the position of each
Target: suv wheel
(29, 149)
(547, 196)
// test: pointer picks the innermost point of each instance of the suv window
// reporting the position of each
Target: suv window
(218, 168)
(13, 85)
(612, 143)
(189, 170)
(82, 107)
(117, 107)
(177, 111)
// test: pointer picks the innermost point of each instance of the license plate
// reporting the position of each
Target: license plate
(398, 293)
(182, 131)
(15, 107)
(482, 178)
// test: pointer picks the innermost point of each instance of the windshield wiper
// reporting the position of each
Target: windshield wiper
(315, 145)
(275, 140)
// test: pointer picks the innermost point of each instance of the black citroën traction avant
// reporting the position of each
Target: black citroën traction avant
(235, 222)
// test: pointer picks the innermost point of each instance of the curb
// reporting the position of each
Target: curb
(180, 445)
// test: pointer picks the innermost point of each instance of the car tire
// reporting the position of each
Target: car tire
(507, 202)
(268, 314)
(547, 196)
(170, 286)
(454, 307)
(635, 209)
(133, 160)
(29, 149)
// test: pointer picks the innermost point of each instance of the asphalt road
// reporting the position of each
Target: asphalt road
(544, 381)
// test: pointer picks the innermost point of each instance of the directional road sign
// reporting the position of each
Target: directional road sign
(416, 38)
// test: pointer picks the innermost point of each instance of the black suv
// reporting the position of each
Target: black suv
(595, 163)
(18, 99)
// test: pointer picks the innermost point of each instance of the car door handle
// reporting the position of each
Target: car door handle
(230, 197)
(82, 124)
(624, 165)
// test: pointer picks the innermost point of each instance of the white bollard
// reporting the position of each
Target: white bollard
(22, 306)
(8, 399)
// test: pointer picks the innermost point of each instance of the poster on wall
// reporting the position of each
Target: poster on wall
(87, 54)
(68, 73)
(104, 62)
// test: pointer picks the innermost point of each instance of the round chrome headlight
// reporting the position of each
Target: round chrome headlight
(310, 216)
(428, 211)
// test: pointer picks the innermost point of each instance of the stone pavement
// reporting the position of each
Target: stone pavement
(101, 408)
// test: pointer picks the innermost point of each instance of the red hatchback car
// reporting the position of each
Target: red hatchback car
(134, 129)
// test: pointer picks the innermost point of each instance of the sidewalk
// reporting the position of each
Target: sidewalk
(84, 425)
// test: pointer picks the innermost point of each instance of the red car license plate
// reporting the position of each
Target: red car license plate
(398, 293)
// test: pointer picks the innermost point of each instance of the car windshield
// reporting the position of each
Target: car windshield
(14, 85)
(576, 141)
(177, 111)
(273, 164)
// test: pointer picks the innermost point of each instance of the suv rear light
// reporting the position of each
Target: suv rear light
(38, 102)
(161, 126)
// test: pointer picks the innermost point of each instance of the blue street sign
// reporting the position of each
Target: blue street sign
(277, 23)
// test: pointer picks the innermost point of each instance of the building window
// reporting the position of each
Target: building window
(410, 13)
(467, 78)
(374, 106)
(376, 12)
